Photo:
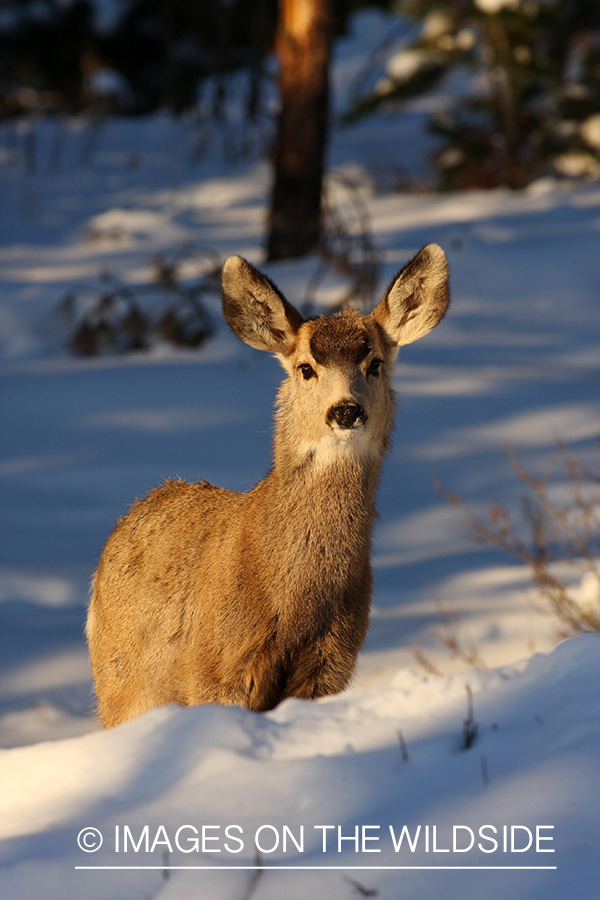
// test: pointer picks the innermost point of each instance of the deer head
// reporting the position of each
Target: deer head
(337, 399)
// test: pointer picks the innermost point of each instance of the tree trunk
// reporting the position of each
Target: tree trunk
(303, 46)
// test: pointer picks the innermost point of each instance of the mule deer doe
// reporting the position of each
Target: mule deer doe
(205, 595)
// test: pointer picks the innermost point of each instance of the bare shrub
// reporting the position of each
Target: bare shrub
(113, 317)
(449, 633)
(562, 537)
(346, 246)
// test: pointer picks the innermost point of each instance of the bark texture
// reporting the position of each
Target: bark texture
(303, 47)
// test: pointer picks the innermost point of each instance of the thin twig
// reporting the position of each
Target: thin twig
(403, 747)
(470, 726)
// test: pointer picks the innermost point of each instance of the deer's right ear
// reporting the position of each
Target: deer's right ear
(255, 310)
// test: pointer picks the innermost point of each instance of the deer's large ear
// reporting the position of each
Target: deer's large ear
(255, 310)
(417, 298)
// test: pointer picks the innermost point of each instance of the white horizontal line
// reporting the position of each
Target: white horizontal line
(321, 868)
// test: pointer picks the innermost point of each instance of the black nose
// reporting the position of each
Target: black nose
(346, 415)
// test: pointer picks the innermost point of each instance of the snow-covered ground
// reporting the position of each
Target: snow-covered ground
(200, 789)
(516, 360)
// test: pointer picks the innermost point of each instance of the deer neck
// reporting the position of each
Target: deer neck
(326, 504)
(318, 542)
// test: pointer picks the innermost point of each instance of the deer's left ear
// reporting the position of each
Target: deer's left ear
(417, 298)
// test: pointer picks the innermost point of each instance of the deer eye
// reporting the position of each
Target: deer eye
(307, 371)
(375, 367)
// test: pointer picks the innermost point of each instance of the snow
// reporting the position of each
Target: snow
(590, 131)
(516, 360)
(405, 65)
(491, 7)
(238, 779)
